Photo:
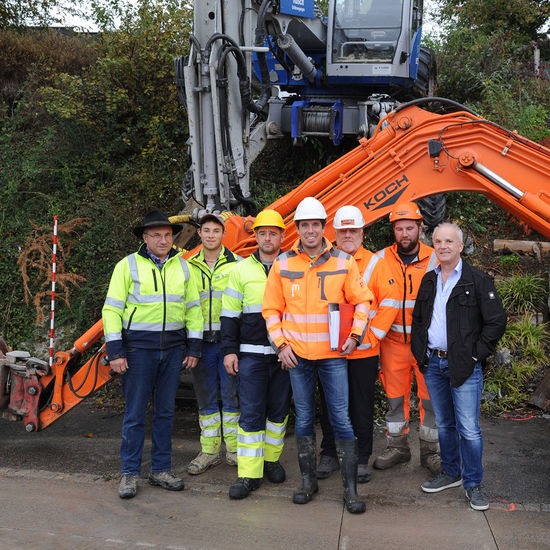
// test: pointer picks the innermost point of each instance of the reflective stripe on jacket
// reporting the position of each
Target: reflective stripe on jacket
(151, 308)
(297, 295)
(378, 276)
(408, 279)
(243, 327)
(211, 284)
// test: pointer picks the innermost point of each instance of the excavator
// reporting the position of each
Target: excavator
(321, 76)
(416, 153)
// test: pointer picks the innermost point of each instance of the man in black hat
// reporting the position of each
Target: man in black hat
(151, 319)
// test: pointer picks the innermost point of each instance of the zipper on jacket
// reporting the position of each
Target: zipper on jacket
(410, 284)
(131, 317)
(155, 279)
(164, 309)
(403, 304)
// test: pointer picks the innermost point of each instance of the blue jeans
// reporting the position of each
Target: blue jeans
(333, 375)
(205, 382)
(264, 391)
(457, 418)
(156, 374)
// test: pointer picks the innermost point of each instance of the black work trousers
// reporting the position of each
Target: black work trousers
(362, 375)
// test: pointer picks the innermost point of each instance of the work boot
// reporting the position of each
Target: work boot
(202, 462)
(127, 488)
(348, 456)
(243, 487)
(429, 456)
(307, 461)
(327, 465)
(274, 471)
(231, 458)
(396, 452)
(166, 480)
(363, 473)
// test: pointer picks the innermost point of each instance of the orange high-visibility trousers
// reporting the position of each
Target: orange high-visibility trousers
(398, 367)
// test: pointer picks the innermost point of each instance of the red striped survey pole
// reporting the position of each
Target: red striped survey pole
(52, 309)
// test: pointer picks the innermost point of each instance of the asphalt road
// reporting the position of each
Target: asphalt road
(58, 490)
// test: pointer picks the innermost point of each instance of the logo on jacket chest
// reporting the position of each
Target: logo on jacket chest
(295, 289)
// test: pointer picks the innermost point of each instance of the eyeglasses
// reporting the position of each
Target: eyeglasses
(159, 236)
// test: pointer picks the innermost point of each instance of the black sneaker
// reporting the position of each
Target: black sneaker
(127, 488)
(478, 501)
(243, 487)
(166, 480)
(441, 482)
(274, 472)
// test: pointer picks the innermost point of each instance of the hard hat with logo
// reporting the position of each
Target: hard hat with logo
(348, 217)
(405, 211)
(310, 209)
(269, 218)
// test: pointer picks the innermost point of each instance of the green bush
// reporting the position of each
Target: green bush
(523, 293)
(510, 262)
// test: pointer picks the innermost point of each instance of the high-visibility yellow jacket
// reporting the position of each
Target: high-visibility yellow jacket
(243, 327)
(151, 308)
(297, 295)
(408, 278)
(211, 283)
(378, 277)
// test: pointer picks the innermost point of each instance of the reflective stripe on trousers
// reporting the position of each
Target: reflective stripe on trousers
(256, 447)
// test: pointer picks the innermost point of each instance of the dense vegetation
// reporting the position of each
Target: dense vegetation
(91, 131)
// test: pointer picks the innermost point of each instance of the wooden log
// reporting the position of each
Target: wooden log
(541, 396)
(531, 247)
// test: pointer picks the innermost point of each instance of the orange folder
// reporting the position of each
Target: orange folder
(340, 321)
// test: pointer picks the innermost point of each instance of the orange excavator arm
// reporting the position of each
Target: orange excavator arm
(417, 154)
(413, 154)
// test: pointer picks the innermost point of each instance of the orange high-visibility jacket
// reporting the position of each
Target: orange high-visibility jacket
(297, 295)
(378, 276)
(408, 279)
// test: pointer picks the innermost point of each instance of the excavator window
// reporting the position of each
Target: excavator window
(366, 31)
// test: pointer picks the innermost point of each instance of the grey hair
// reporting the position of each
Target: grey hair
(454, 226)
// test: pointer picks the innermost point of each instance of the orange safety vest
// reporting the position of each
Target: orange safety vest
(378, 277)
(408, 279)
(297, 294)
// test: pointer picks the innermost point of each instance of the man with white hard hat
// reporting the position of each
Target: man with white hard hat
(300, 285)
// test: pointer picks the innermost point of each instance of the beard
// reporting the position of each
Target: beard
(407, 249)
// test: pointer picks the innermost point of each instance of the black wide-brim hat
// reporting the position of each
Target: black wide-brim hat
(156, 218)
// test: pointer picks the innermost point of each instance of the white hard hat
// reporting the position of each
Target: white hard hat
(348, 217)
(310, 209)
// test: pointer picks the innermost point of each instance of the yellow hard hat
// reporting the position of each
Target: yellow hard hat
(405, 211)
(269, 218)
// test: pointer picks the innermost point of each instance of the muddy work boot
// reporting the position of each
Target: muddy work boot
(166, 480)
(202, 462)
(327, 465)
(429, 456)
(307, 462)
(348, 456)
(127, 487)
(396, 452)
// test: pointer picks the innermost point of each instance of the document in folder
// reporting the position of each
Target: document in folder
(340, 321)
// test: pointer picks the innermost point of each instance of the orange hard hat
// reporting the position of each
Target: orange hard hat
(405, 211)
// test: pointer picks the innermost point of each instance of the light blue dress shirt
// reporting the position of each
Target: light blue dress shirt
(437, 332)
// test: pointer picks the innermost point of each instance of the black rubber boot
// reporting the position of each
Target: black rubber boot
(307, 462)
(348, 457)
